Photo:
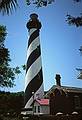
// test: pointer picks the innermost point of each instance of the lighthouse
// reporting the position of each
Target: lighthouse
(34, 78)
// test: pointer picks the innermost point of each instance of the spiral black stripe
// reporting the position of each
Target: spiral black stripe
(34, 35)
(33, 86)
(33, 56)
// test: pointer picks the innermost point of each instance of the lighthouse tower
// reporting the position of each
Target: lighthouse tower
(34, 76)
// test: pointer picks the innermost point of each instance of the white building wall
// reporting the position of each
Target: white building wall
(36, 105)
(44, 109)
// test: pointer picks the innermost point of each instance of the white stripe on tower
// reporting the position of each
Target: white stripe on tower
(34, 76)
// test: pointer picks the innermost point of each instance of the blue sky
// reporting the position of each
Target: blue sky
(59, 42)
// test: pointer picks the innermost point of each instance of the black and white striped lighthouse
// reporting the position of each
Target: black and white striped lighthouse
(34, 77)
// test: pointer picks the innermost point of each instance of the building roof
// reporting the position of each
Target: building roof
(43, 101)
(65, 89)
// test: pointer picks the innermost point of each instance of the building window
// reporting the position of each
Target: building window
(38, 109)
(35, 109)
(77, 101)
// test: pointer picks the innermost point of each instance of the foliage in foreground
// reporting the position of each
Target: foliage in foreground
(11, 103)
(7, 73)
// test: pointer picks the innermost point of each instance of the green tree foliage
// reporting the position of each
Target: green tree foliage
(24, 67)
(7, 74)
(77, 21)
(39, 3)
(77, 0)
(11, 102)
(79, 69)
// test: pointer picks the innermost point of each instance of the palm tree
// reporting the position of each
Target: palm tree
(7, 6)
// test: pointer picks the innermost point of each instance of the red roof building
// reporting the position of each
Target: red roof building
(41, 106)
(43, 101)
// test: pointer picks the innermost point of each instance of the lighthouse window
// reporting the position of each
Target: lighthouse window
(77, 101)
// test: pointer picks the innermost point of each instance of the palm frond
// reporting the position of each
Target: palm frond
(7, 6)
